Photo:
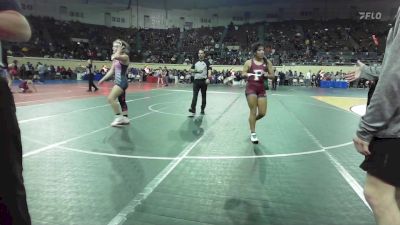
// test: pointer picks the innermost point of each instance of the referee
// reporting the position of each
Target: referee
(89, 71)
(202, 71)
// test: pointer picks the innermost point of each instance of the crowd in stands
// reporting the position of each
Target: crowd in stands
(42, 72)
(334, 42)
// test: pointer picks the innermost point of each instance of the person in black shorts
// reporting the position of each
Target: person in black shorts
(378, 135)
(13, 205)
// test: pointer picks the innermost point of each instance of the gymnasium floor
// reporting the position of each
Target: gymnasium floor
(168, 168)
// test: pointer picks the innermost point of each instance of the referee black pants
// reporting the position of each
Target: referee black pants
(91, 83)
(199, 84)
(13, 206)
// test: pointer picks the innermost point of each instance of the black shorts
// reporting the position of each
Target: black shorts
(384, 161)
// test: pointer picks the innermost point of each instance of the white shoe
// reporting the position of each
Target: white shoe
(117, 121)
(120, 120)
(125, 120)
(253, 138)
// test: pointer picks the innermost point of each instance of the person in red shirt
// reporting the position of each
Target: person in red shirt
(27, 86)
(256, 71)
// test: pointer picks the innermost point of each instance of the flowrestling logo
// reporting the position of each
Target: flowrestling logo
(370, 15)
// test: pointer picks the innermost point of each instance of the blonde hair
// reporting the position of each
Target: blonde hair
(124, 44)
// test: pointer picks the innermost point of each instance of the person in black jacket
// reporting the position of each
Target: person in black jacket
(13, 205)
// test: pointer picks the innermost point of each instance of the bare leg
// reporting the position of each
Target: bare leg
(115, 92)
(382, 199)
(252, 102)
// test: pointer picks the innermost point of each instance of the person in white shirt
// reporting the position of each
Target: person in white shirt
(307, 78)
